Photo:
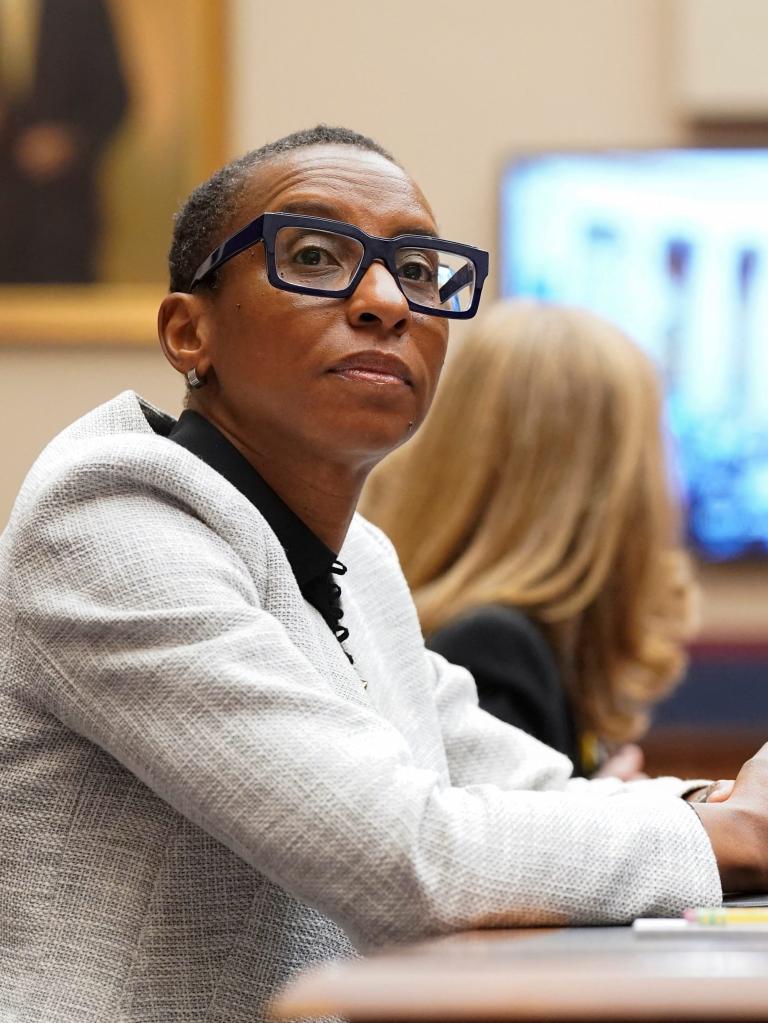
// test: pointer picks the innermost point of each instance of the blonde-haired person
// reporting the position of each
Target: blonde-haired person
(534, 520)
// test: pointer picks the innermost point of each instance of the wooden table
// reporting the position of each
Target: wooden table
(590, 973)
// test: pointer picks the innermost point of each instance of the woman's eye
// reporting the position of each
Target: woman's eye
(313, 255)
(415, 270)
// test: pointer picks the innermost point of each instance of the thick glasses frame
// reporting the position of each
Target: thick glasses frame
(265, 228)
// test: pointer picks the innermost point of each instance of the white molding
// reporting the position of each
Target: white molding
(721, 59)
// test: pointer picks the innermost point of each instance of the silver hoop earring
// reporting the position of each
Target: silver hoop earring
(194, 380)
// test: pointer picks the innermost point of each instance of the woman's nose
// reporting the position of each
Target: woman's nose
(378, 299)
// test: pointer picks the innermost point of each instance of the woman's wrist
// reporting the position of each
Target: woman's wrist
(711, 792)
(732, 836)
(698, 795)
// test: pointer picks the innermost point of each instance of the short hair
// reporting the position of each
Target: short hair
(201, 220)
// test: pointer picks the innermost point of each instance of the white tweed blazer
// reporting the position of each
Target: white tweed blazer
(199, 797)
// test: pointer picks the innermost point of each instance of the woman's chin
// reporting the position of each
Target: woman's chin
(369, 442)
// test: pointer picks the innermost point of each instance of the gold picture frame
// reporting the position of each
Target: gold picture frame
(173, 135)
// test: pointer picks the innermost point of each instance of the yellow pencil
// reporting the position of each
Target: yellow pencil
(745, 915)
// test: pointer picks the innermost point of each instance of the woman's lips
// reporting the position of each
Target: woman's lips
(374, 368)
(372, 376)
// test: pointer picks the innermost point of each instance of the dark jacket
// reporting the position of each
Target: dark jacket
(518, 679)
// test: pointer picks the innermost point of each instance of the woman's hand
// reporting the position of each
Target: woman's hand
(735, 817)
(626, 763)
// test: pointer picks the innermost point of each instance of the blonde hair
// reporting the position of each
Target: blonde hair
(539, 481)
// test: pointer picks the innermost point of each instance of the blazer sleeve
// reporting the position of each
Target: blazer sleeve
(517, 677)
(518, 682)
(140, 628)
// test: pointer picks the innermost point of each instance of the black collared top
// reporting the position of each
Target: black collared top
(313, 564)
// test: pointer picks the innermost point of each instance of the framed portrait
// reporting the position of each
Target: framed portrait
(110, 112)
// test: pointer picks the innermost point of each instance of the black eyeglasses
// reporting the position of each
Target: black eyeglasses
(315, 256)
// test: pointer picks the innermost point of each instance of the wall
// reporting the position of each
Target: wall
(451, 87)
(44, 389)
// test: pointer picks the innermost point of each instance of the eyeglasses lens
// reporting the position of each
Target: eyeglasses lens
(436, 279)
(326, 261)
(316, 259)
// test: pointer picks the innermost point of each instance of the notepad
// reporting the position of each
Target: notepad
(674, 927)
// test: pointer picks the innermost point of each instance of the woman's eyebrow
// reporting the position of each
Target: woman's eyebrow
(318, 208)
(311, 208)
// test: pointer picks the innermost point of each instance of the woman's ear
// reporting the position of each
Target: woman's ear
(181, 327)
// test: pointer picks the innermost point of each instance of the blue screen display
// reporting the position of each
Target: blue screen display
(673, 247)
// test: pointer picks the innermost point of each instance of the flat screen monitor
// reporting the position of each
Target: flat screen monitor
(671, 245)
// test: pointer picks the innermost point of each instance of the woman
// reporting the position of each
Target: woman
(211, 777)
(534, 522)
